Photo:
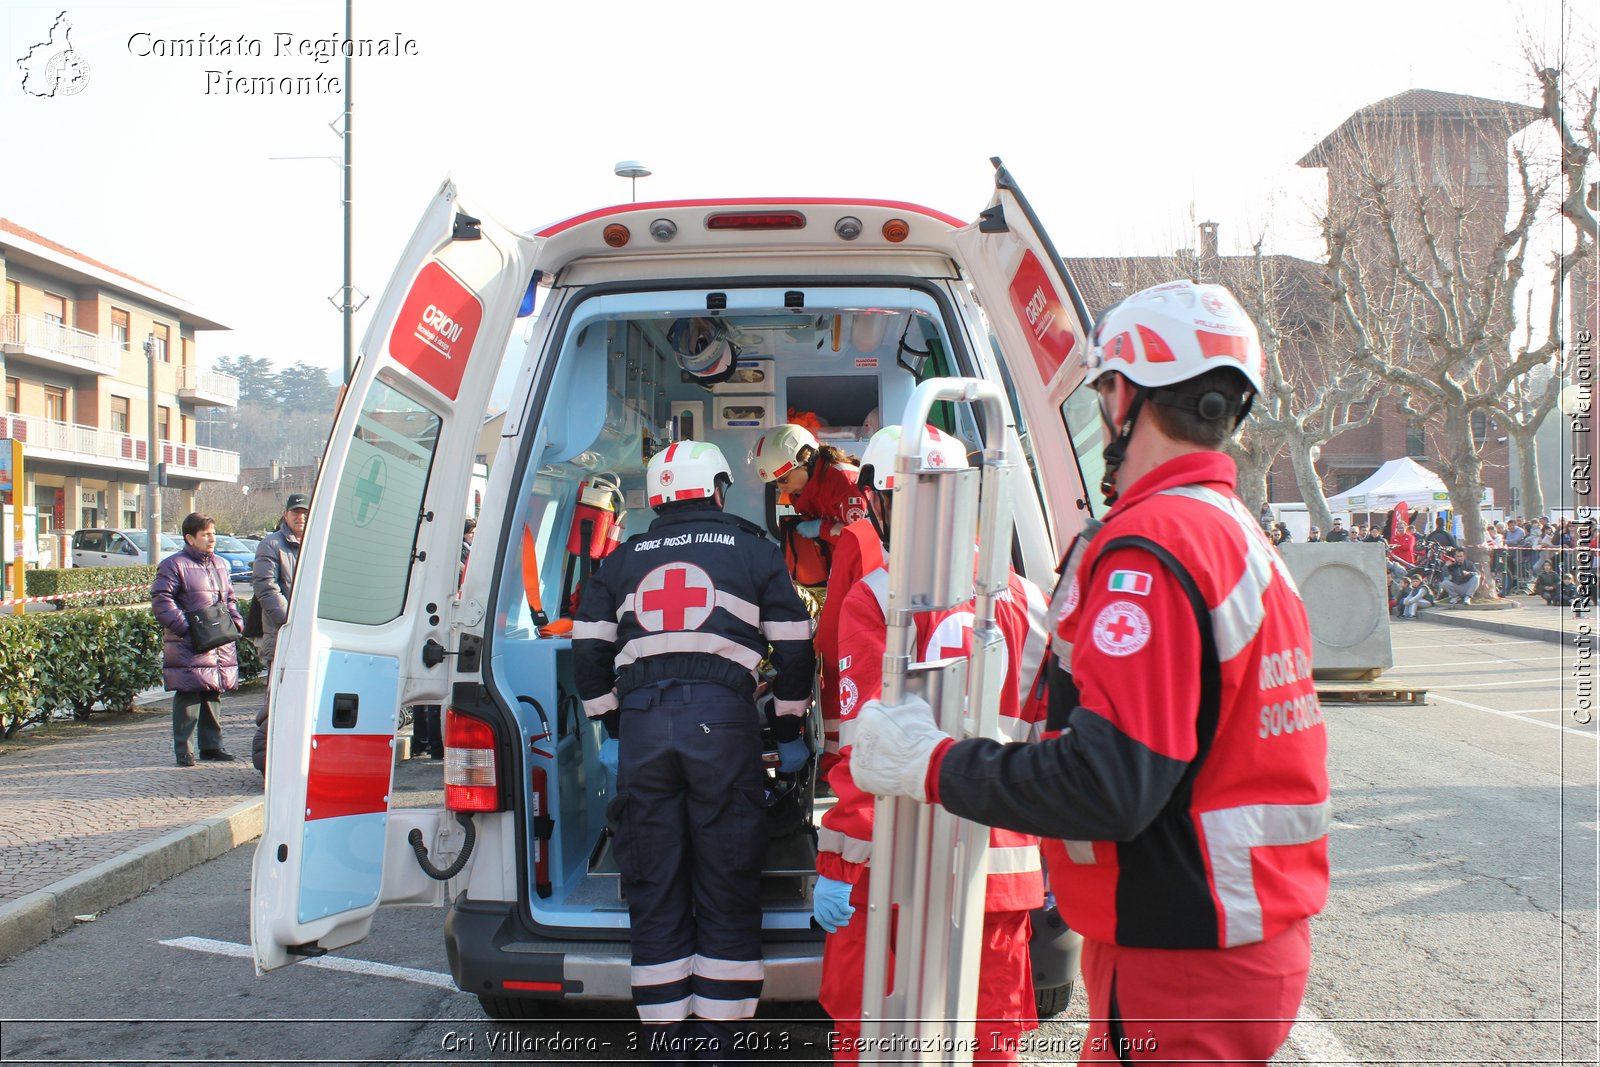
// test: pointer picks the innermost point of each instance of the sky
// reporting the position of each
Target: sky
(1124, 124)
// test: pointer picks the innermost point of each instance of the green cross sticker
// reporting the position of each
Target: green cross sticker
(369, 491)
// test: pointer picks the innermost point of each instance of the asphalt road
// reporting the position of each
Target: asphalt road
(1461, 927)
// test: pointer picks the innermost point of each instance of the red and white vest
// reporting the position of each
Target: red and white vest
(844, 841)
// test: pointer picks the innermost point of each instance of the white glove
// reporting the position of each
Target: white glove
(893, 744)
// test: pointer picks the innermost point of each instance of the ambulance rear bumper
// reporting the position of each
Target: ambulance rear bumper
(493, 953)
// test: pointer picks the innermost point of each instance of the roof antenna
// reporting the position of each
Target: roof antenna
(633, 170)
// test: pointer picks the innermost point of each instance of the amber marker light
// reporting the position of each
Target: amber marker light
(616, 235)
(896, 230)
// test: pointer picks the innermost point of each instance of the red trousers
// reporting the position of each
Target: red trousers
(1212, 1006)
(1006, 1007)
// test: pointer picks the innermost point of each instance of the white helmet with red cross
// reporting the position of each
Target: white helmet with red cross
(1170, 333)
(685, 470)
(777, 453)
(940, 451)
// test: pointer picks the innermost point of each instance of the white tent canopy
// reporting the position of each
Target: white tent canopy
(1397, 480)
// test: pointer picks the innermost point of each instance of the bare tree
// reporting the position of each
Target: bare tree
(1312, 390)
(1424, 271)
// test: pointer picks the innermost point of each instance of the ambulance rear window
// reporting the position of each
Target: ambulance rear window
(367, 563)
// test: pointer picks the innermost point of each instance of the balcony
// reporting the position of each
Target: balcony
(41, 340)
(208, 388)
(46, 439)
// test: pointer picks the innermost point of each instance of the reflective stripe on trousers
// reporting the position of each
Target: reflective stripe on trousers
(690, 834)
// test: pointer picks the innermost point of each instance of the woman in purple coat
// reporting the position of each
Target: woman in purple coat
(187, 581)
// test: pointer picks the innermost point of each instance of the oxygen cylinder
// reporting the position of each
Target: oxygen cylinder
(594, 515)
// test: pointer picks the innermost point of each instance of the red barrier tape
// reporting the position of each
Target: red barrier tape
(68, 596)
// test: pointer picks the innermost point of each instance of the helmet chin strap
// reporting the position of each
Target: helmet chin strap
(1117, 450)
(881, 525)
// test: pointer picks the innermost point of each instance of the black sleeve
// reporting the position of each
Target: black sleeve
(786, 625)
(594, 647)
(1090, 783)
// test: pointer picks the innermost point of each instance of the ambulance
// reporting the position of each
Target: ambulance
(606, 337)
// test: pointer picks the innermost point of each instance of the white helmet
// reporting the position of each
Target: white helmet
(940, 451)
(777, 453)
(685, 470)
(1170, 333)
(703, 349)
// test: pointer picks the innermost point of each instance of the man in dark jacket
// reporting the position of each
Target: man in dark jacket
(1547, 584)
(1338, 533)
(187, 582)
(272, 576)
(668, 640)
(1441, 536)
(1461, 579)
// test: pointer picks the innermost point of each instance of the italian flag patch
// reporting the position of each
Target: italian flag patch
(1135, 582)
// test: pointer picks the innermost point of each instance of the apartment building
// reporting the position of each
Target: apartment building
(74, 338)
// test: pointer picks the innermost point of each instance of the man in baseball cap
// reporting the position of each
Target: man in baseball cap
(272, 576)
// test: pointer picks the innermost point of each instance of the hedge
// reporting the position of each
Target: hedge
(82, 661)
(83, 579)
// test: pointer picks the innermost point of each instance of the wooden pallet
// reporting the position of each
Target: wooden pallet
(1370, 693)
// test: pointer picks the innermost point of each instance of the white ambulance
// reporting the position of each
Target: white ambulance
(836, 308)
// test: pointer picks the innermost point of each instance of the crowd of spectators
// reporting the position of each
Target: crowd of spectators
(1540, 556)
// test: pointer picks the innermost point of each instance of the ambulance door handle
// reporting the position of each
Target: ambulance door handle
(345, 706)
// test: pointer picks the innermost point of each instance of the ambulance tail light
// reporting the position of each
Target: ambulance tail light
(756, 220)
(471, 770)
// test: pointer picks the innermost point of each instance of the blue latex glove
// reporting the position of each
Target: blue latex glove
(830, 904)
(809, 528)
(792, 755)
(608, 756)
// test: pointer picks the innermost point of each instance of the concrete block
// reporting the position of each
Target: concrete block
(176, 853)
(1345, 587)
(26, 922)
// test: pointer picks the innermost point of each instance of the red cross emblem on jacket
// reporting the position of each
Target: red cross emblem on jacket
(677, 596)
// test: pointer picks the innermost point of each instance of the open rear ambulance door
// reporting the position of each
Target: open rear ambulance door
(369, 614)
(1042, 328)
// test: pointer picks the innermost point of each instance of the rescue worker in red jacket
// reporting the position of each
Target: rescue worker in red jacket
(820, 481)
(844, 842)
(1183, 780)
(857, 553)
(666, 646)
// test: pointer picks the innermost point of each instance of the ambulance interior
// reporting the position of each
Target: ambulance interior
(847, 359)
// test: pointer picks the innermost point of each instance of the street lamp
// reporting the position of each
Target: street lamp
(153, 504)
(633, 170)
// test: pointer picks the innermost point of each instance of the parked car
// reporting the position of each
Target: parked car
(832, 308)
(238, 554)
(118, 548)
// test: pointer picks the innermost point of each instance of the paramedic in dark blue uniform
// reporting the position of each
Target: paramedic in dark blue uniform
(667, 643)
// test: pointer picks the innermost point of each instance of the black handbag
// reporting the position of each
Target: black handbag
(212, 626)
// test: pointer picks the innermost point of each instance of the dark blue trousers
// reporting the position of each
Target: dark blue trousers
(691, 839)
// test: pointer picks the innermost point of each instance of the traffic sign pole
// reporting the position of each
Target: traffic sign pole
(19, 535)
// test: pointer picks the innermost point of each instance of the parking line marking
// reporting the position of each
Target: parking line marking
(1315, 1042)
(1476, 661)
(330, 963)
(1517, 717)
(1492, 685)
